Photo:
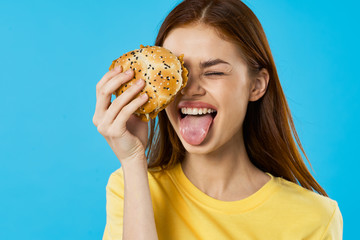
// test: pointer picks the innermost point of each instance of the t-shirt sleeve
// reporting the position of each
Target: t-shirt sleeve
(114, 206)
(334, 230)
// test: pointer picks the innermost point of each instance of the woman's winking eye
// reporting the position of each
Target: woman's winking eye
(214, 73)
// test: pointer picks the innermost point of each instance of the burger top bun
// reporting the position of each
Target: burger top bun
(163, 72)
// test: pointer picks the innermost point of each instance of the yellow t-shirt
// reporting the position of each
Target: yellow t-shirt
(280, 210)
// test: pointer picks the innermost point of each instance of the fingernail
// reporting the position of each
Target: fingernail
(116, 69)
(128, 71)
(144, 96)
(139, 82)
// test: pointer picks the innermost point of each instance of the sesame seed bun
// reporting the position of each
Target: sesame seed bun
(163, 72)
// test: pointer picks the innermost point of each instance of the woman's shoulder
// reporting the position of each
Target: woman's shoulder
(302, 199)
(297, 193)
(309, 208)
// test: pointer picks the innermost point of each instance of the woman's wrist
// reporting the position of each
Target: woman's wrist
(135, 164)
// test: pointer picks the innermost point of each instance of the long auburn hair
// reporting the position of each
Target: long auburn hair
(268, 124)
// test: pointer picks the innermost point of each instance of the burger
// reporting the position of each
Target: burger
(163, 72)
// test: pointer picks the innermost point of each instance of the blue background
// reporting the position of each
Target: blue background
(54, 163)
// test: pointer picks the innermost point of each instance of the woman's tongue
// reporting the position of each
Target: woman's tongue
(194, 128)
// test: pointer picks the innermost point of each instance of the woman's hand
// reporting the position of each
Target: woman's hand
(125, 133)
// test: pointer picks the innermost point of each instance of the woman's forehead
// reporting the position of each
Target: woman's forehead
(200, 43)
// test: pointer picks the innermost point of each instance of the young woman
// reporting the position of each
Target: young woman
(239, 175)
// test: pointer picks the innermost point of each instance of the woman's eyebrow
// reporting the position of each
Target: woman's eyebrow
(212, 62)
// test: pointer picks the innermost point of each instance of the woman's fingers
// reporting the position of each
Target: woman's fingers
(128, 110)
(120, 104)
(103, 94)
(108, 76)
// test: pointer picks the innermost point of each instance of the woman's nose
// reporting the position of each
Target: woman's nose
(193, 87)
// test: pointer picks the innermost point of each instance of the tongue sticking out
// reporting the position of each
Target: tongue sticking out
(195, 128)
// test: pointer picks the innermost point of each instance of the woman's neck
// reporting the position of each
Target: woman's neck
(225, 174)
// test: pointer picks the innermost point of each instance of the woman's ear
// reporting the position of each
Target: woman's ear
(259, 85)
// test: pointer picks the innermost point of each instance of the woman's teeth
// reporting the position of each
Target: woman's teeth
(197, 111)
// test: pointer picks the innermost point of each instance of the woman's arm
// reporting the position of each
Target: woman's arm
(139, 221)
